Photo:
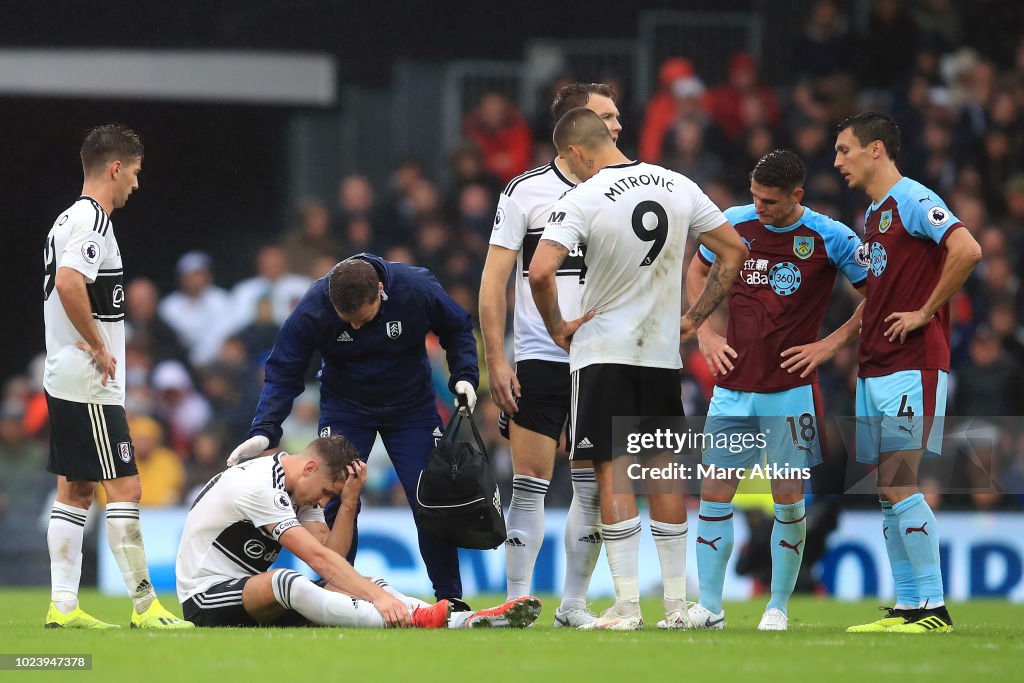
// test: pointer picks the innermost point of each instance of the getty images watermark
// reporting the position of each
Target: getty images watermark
(674, 455)
(973, 459)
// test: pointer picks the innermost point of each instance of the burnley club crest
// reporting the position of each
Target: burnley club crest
(803, 247)
(885, 222)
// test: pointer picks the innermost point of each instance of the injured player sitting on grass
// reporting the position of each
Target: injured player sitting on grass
(246, 514)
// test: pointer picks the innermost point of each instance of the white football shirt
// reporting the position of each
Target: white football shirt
(523, 209)
(634, 219)
(82, 238)
(224, 538)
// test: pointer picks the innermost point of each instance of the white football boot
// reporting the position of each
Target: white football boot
(774, 619)
(702, 617)
(622, 616)
(575, 617)
(677, 616)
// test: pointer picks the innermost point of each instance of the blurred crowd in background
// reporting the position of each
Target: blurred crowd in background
(195, 354)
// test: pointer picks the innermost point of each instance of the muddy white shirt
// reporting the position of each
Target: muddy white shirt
(633, 220)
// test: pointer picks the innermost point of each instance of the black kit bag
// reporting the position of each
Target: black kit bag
(457, 497)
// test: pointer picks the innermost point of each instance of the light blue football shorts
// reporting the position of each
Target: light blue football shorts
(902, 411)
(785, 425)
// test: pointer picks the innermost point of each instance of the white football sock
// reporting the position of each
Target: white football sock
(525, 532)
(294, 591)
(670, 540)
(64, 539)
(582, 538)
(412, 603)
(622, 542)
(124, 536)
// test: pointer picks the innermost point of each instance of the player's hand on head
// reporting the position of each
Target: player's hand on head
(106, 362)
(806, 357)
(903, 323)
(394, 611)
(716, 351)
(355, 480)
(465, 397)
(250, 447)
(505, 387)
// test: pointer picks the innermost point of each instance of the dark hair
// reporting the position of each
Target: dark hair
(582, 127)
(577, 95)
(871, 126)
(110, 142)
(353, 284)
(336, 452)
(779, 168)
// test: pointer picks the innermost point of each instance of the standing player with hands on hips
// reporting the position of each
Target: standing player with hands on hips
(919, 255)
(534, 398)
(766, 371)
(83, 309)
(633, 219)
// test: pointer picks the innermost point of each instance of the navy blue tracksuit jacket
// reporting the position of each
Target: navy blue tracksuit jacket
(376, 380)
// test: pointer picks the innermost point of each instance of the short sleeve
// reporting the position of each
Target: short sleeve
(844, 251)
(567, 225)
(510, 224)
(311, 513)
(931, 219)
(85, 249)
(734, 215)
(706, 216)
(268, 506)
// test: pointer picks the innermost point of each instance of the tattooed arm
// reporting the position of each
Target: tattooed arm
(729, 251)
(716, 350)
(543, 268)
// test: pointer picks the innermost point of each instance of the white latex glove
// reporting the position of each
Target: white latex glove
(250, 447)
(464, 388)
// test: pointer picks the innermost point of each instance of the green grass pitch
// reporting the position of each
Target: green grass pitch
(988, 644)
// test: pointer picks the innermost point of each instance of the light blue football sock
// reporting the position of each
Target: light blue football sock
(902, 569)
(920, 535)
(788, 535)
(714, 546)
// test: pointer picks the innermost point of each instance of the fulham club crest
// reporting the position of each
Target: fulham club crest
(394, 329)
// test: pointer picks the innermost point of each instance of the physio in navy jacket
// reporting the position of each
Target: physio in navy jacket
(369, 319)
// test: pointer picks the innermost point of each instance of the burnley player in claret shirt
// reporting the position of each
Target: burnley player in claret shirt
(766, 371)
(918, 257)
